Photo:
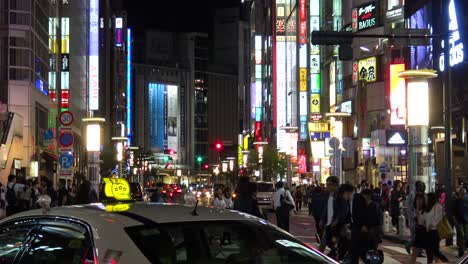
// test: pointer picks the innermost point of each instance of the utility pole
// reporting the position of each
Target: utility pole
(447, 109)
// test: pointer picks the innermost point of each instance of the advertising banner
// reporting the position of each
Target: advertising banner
(367, 16)
(318, 127)
(303, 79)
(302, 21)
(397, 95)
(172, 118)
(156, 116)
(315, 85)
(93, 87)
(315, 103)
(367, 69)
(303, 103)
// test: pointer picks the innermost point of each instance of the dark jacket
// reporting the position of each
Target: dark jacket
(247, 204)
(461, 210)
(318, 204)
(359, 212)
(394, 203)
(339, 208)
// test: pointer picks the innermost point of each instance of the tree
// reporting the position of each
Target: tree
(273, 163)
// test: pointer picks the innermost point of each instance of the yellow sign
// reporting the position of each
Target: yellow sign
(318, 127)
(117, 208)
(368, 69)
(246, 142)
(315, 103)
(303, 79)
(117, 188)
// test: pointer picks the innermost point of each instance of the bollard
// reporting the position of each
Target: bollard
(404, 230)
(386, 222)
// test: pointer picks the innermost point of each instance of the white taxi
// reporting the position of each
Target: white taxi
(139, 233)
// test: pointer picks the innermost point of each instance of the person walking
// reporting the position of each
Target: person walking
(13, 191)
(219, 202)
(432, 216)
(86, 194)
(63, 197)
(283, 203)
(461, 220)
(410, 212)
(25, 197)
(333, 206)
(357, 213)
(228, 198)
(246, 201)
(298, 195)
(396, 197)
(318, 206)
(373, 220)
(420, 233)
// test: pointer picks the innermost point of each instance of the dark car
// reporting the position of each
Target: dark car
(136, 191)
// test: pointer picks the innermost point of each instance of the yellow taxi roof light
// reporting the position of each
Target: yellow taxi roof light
(117, 188)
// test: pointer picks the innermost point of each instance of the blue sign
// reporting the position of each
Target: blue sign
(383, 168)
(48, 134)
(65, 160)
(66, 139)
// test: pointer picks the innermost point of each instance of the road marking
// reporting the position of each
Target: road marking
(397, 249)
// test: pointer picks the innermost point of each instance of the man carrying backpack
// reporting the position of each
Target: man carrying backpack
(11, 195)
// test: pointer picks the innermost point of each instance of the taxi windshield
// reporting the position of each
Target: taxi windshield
(220, 242)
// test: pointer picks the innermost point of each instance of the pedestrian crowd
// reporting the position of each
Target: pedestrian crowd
(22, 195)
(345, 213)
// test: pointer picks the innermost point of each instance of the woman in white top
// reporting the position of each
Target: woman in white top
(228, 198)
(219, 202)
(432, 216)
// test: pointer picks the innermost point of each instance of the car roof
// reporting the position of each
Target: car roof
(138, 213)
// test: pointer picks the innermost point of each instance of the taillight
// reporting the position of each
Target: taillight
(179, 190)
(163, 191)
(171, 194)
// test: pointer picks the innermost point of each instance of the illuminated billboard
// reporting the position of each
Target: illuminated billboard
(418, 103)
(318, 149)
(156, 109)
(365, 17)
(367, 69)
(457, 54)
(397, 95)
(129, 86)
(93, 86)
(332, 83)
(172, 117)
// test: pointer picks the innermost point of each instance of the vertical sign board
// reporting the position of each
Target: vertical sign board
(456, 46)
(280, 30)
(397, 95)
(129, 87)
(93, 55)
(302, 22)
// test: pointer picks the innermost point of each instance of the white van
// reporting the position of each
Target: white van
(265, 192)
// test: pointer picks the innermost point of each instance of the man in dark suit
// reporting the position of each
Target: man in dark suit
(357, 213)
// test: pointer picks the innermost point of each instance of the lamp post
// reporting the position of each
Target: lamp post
(417, 122)
(335, 142)
(93, 146)
(119, 145)
(260, 145)
(289, 129)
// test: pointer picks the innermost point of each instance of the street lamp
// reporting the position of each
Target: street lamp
(417, 107)
(120, 141)
(289, 129)
(93, 146)
(335, 141)
(260, 145)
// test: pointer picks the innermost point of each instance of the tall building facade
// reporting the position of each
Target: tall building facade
(361, 100)
(41, 71)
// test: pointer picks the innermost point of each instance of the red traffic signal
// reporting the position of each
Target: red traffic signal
(170, 151)
(206, 166)
(218, 146)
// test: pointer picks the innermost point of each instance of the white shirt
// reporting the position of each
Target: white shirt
(331, 199)
(432, 218)
(228, 202)
(219, 203)
(277, 198)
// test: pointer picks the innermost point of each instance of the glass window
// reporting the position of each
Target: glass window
(58, 244)
(220, 242)
(265, 187)
(12, 239)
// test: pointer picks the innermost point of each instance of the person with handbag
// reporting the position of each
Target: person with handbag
(432, 218)
(283, 203)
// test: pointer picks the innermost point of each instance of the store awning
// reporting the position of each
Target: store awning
(47, 155)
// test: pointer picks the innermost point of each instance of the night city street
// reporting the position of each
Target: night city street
(233, 131)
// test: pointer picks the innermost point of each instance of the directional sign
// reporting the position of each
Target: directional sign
(65, 160)
(48, 134)
(66, 118)
(66, 139)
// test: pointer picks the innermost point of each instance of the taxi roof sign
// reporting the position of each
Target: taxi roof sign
(117, 188)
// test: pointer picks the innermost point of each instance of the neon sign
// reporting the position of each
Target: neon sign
(455, 45)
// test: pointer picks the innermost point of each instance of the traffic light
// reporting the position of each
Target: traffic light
(166, 159)
(170, 151)
(218, 146)
(199, 159)
(206, 166)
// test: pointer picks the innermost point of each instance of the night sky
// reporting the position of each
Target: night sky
(173, 15)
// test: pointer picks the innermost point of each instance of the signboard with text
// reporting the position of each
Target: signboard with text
(365, 17)
(367, 69)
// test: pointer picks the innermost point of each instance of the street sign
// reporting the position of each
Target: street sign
(48, 134)
(334, 143)
(66, 139)
(66, 160)
(66, 118)
(383, 168)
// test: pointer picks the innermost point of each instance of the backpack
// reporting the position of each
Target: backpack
(11, 195)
